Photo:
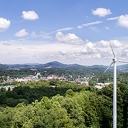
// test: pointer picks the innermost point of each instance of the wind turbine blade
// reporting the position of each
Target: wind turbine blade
(112, 50)
(108, 67)
(122, 61)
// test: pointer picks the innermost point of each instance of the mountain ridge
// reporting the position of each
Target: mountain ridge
(52, 64)
(56, 64)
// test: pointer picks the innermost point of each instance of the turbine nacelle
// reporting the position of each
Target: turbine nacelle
(114, 60)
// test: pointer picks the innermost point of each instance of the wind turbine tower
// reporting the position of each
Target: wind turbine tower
(114, 61)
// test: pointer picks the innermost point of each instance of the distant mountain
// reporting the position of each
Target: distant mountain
(20, 66)
(56, 64)
(53, 64)
(2, 66)
(123, 68)
(98, 66)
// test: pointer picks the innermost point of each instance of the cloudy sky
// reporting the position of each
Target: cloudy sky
(68, 31)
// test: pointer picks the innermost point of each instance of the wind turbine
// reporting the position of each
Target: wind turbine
(114, 61)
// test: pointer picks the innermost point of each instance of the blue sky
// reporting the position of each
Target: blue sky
(68, 31)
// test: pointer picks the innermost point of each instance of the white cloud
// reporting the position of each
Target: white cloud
(104, 48)
(42, 52)
(124, 53)
(29, 15)
(90, 24)
(100, 49)
(106, 28)
(101, 12)
(68, 38)
(94, 29)
(113, 18)
(36, 56)
(21, 33)
(89, 48)
(33, 34)
(47, 37)
(123, 21)
(114, 43)
(103, 44)
(4, 24)
(65, 29)
(63, 52)
(42, 32)
(89, 51)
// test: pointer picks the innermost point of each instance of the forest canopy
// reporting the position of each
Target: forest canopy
(70, 106)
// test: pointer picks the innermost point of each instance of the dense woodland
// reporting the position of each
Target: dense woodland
(60, 104)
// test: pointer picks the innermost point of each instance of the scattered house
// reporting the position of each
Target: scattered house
(85, 83)
(48, 67)
(19, 79)
(7, 87)
(106, 84)
(101, 85)
(50, 77)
